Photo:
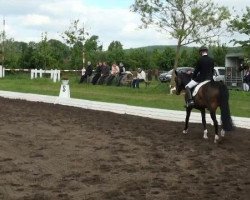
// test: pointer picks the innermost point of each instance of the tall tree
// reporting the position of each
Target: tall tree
(92, 48)
(136, 58)
(242, 26)
(75, 37)
(167, 59)
(219, 53)
(115, 52)
(192, 57)
(115, 45)
(187, 21)
(60, 53)
(44, 52)
(12, 53)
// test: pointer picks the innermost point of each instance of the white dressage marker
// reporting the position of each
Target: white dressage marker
(64, 91)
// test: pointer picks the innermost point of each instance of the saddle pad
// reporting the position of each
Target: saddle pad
(196, 89)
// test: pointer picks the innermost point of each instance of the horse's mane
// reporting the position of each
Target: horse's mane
(185, 77)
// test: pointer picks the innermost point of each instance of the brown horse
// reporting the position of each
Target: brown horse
(210, 96)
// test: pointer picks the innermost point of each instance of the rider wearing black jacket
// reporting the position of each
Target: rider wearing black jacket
(203, 71)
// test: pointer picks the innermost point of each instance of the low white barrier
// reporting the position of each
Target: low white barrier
(2, 71)
(54, 74)
(162, 114)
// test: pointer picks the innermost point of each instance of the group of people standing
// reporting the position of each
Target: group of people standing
(103, 74)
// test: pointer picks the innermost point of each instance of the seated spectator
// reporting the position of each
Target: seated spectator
(87, 73)
(104, 74)
(122, 72)
(114, 72)
(140, 77)
(97, 73)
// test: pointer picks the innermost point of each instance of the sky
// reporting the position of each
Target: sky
(111, 20)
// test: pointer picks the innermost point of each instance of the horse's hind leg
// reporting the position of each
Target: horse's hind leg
(213, 116)
(204, 123)
(188, 112)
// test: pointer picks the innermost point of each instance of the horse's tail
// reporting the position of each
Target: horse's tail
(227, 123)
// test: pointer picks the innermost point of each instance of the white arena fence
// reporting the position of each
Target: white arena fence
(55, 74)
(161, 114)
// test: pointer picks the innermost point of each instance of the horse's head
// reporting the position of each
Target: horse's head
(181, 80)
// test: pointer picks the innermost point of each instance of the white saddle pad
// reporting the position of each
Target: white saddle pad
(196, 89)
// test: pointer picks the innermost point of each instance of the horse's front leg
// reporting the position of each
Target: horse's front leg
(204, 123)
(188, 112)
(213, 116)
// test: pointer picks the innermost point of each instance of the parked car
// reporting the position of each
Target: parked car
(166, 76)
(219, 74)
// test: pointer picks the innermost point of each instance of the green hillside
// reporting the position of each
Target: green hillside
(162, 47)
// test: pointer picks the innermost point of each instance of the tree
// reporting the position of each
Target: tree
(167, 59)
(75, 37)
(12, 53)
(137, 58)
(242, 26)
(75, 33)
(24, 61)
(192, 57)
(219, 53)
(44, 52)
(60, 54)
(192, 21)
(155, 59)
(115, 45)
(91, 44)
(92, 48)
(115, 52)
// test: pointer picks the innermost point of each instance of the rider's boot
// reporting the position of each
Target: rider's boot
(190, 101)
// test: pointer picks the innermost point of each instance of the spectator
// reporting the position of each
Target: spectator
(97, 73)
(114, 72)
(140, 77)
(87, 73)
(246, 81)
(104, 74)
(122, 72)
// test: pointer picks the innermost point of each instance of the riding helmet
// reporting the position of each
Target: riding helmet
(203, 48)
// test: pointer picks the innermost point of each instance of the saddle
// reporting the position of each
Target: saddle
(196, 88)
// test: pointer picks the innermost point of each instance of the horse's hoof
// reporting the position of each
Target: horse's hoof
(222, 133)
(216, 139)
(205, 134)
(185, 131)
(205, 137)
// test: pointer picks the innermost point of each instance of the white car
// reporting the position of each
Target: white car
(219, 74)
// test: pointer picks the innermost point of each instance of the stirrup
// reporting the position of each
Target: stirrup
(190, 103)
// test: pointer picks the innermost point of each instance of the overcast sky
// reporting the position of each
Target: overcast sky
(111, 20)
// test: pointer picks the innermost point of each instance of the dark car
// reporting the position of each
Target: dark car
(166, 76)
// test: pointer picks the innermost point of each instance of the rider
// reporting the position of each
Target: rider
(203, 71)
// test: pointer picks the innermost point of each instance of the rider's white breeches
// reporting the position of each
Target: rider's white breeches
(191, 84)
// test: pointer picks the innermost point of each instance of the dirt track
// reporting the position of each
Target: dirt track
(55, 152)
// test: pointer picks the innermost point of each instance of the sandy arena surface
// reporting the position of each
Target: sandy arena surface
(55, 152)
